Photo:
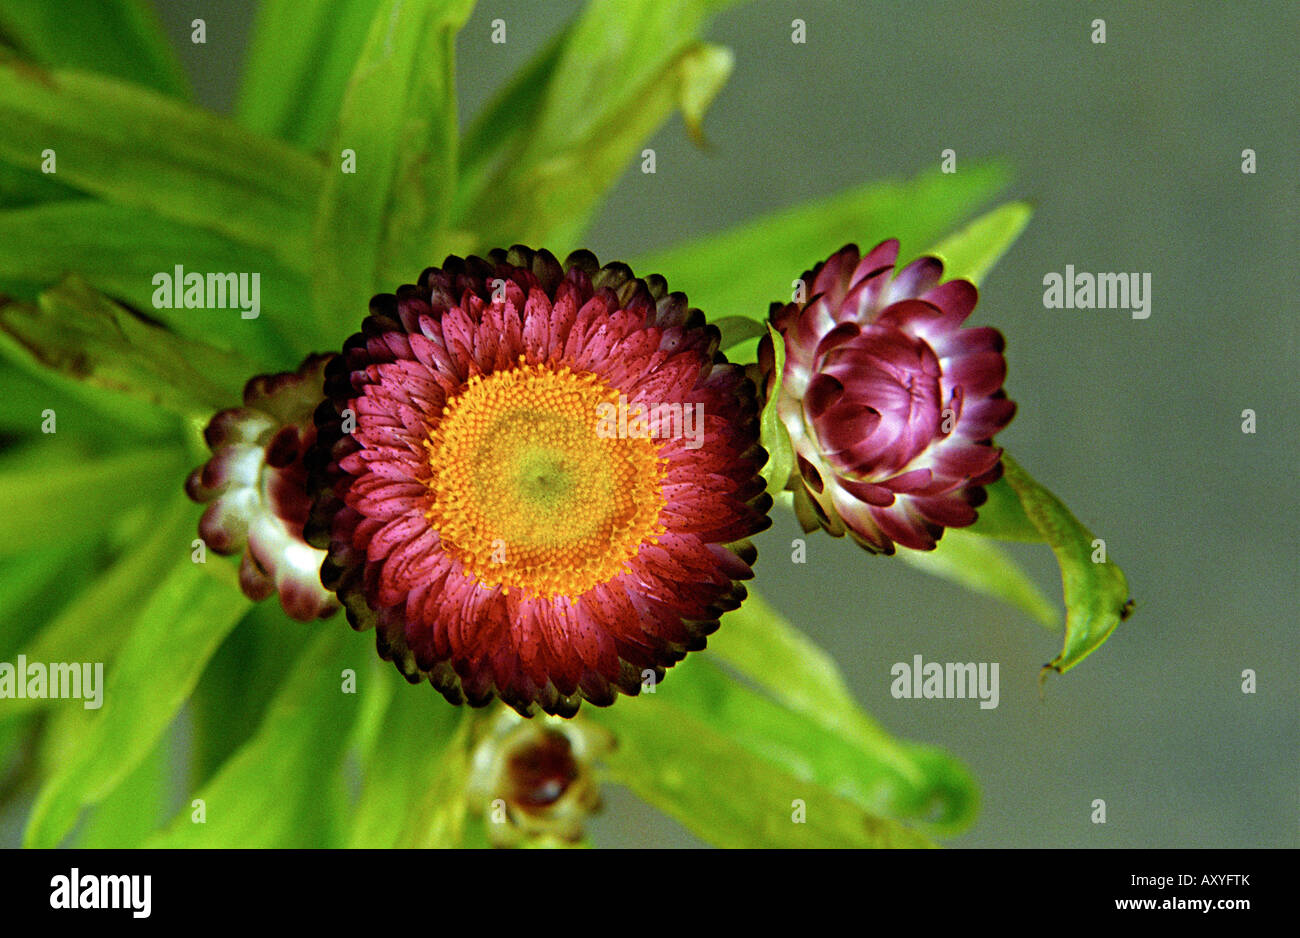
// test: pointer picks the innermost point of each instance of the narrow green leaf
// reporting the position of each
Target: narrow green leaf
(425, 183)
(776, 439)
(917, 781)
(174, 635)
(1003, 517)
(84, 335)
(972, 252)
(1096, 593)
(135, 147)
(720, 789)
(268, 794)
(121, 250)
(980, 565)
(77, 500)
(740, 272)
(399, 119)
(561, 134)
(122, 38)
(299, 58)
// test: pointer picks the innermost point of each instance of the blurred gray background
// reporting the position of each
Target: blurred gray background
(1131, 152)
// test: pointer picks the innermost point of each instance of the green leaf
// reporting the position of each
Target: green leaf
(18, 745)
(96, 418)
(980, 565)
(679, 751)
(135, 808)
(500, 131)
(20, 187)
(269, 793)
(122, 38)
(239, 682)
(75, 501)
(776, 439)
(86, 336)
(399, 117)
(135, 147)
(1096, 594)
(740, 272)
(1003, 517)
(614, 49)
(120, 250)
(299, 59)
(174, 635)
(737, 329)
(32, 584)
(414, 772)
(568, 128)
(970, 253)
(915, 781)
(111, 600)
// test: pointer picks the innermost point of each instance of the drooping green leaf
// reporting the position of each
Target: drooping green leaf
(121, 250)
(122, 38)
(915, 781)
(617, 74)
(268, 794)
(1096, 591)
(740, 272)
(80, 498)
(173, 637)
(399, 119)
(776, 439)
(1003, 517)
(978, 564)
(77, 331)
(135, 147)
(971, 252)
(300, 56)
(693, 756)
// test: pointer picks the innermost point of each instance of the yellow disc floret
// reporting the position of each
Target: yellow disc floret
(531, 492)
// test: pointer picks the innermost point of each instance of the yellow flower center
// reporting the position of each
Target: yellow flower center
(531, 491)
